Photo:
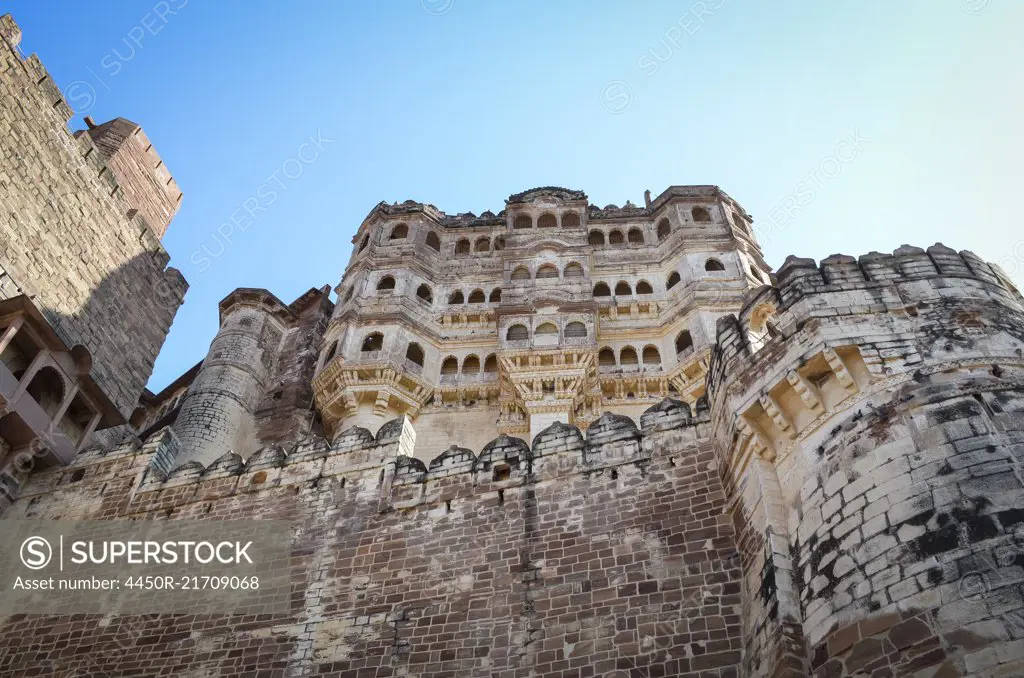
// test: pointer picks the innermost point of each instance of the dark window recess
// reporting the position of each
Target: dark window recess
(502, 472)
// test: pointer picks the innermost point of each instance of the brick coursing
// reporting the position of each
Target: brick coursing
(583, 556)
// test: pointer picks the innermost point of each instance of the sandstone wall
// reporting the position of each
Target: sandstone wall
(66, 236)
(603, 556)
(147, 184)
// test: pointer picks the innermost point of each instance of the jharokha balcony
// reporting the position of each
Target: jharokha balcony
(49, 403)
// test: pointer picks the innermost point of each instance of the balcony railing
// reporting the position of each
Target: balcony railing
(578, 341)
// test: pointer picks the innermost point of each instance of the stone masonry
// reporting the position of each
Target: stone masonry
(70, 237)
(557, 441)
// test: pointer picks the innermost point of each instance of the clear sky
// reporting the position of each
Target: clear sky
(842, 127)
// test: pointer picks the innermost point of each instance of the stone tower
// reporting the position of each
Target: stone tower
(869, 418)
(217, 413)
(86, 298)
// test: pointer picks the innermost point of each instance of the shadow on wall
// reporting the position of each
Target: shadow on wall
(123, 321)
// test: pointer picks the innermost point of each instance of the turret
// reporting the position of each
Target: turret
(863, 413)
(217, 413)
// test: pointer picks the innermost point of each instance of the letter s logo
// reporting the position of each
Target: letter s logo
(36, 553)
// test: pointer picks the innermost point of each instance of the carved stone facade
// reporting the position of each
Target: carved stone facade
(551, 310)
(559, 440)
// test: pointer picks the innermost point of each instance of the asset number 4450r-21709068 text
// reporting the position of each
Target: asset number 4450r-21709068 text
(193, 583)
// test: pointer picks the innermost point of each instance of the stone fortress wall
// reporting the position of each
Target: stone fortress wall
(843, 502)
(573, 553)
(613, 452)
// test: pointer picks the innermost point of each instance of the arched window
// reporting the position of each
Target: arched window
(47, 389)
(576, 330)
(471, 365)
(673, 280)
(547, 221)
(713, 265)
(546, 272)
(573, 270)
(495, 295)
(456, 298)
(595, 238)
(400, 232)
(414, 353)
(433, 242)
(684, 341)
(373, 342)
(627, 357)
(651, 356)
(644, 287)
(570, 220)
(740, 222)
(700, 214)
(547, 333)
(601, 290)
(424, 292)
(450, 366)
(366, 241)
(517, 333)
(477, 297)
(491, 364)
(462, 247)
(664, 229)
(482, 245)
(636, 236)
(499, 243)
(331, 350)
(615, 238)
(386, 283)
(622, 288)
(521, 273)
(522, 221)
(606, 358)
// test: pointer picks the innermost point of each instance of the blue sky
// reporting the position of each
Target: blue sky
(842, 127)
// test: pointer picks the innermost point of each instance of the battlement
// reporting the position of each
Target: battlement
(553, 195)
(904, 284)
(384, 464)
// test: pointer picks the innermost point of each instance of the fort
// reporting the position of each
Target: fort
(555, 440)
